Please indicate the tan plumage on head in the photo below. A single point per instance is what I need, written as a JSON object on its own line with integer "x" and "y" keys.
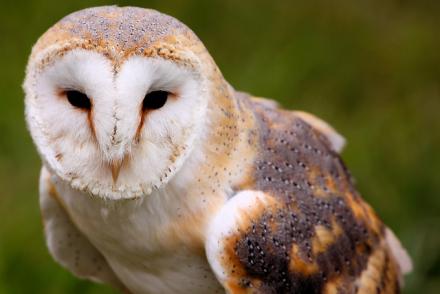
{"x": 159, "y": 177}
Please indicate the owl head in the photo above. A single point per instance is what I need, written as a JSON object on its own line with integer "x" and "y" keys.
{"x": 117, "y": 99}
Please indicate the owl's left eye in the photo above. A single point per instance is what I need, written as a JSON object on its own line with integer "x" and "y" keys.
{"x": 155, "y": 100}
{"x": 78, "y": 99}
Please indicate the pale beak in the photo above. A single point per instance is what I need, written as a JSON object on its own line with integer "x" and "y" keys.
{"x": 116, "y": 167}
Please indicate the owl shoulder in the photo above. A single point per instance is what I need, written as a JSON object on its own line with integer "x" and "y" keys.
{"x": 262, "y": 104}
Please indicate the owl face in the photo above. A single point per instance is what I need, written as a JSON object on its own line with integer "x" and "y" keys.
{"x": 113, "y": 129}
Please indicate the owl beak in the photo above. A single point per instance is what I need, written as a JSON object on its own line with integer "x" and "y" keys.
{"x": 116, "y": 168}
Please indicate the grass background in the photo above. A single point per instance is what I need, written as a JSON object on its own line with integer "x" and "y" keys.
{"x": 370, "y": 68}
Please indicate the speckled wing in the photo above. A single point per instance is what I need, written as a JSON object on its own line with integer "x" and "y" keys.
{"x": 299, "y": 225}
{"x": 337, "y": 142}
{"x": 66, "y": 244}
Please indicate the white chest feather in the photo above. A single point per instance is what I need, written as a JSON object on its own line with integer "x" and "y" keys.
{"x": 146, "y": 242}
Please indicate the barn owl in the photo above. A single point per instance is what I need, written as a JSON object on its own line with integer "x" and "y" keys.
{"x": 159, "y": 177}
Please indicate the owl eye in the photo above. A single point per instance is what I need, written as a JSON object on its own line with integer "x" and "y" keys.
{"x": 155, "y": 100}
{"x": 78, "y": 99}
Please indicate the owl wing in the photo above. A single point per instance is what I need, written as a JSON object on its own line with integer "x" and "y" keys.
{"x": 269, "y": 103}
{"x": 249, "y": 252}
{"x": 336, "y": 140}
{"x": 67, "y": 245}
{"x": 297, "y": 224}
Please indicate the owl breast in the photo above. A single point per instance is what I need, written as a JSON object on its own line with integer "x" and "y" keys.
{"x": 138, "y": 244}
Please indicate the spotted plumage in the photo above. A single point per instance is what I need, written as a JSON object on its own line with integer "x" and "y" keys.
{"x": 159, "y": 177}
{"x": 316, "y": 233}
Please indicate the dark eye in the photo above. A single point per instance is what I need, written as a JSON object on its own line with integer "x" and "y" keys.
{"x": 78, "y": 99}
{"x": 155, "y": 100}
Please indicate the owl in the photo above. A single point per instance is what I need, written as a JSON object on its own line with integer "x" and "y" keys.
{"x": 159, "y": 177}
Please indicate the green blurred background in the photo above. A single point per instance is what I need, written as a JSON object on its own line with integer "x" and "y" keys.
{"x": 370, "y": 68}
